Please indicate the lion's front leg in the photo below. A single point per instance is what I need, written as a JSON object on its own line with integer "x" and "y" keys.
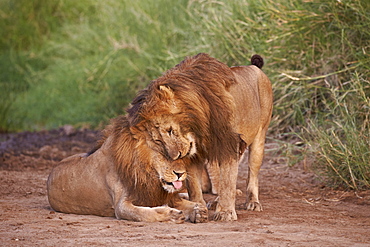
{"x": 127, "y": 211}
{"x": 213, "y": 171}
{"x": 194, "y": 184}
{"x": 225, "y": 209}
{"x": 194, "y": 212}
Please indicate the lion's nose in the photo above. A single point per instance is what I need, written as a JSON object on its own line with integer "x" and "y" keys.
{"x": 179, "y": 156}
{"x": 175, "y": 156}
{"x": 178, "y": 174}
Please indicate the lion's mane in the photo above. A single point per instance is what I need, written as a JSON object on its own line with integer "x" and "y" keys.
{"x": 135, "y": 165}
{"x": 201, "y": 85}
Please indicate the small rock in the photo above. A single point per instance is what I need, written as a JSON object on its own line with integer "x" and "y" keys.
{"x": 69, "y": 130}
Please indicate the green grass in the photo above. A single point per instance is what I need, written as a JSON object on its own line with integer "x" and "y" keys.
{"x": 81, "y": 63}
{"x": 341, "y": 139}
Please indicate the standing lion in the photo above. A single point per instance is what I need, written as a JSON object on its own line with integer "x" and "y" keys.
{"x": 208, "y": 113}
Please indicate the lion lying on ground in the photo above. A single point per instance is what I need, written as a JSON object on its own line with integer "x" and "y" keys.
{"x": 124, "y": 178}
{"x": 204, "y": 110}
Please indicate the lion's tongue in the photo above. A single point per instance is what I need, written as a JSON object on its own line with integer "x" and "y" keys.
{"x": 177, "y": 184}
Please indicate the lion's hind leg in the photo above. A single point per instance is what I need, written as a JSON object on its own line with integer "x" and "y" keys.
{"x": 256, "y": 151}
{"x": 127, "y": 211}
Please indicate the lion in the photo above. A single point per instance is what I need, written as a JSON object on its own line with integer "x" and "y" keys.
{"x": 124, "y": 178}
{"x": 210, "y": 113}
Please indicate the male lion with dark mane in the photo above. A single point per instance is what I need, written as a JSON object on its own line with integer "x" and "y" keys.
{"x": 204, "y": 112}
{"x": 123, "y": 177}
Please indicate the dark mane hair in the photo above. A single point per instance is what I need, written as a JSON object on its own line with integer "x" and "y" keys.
{"x": 201, "y": 89}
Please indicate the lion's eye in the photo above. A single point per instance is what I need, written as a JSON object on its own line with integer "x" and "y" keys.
{"x": 170, "y": 131}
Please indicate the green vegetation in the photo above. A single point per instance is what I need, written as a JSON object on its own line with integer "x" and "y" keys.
{"x": 81, "y": 63}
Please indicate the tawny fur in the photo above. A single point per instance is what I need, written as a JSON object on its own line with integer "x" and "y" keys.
{"x": 122, "y": 178}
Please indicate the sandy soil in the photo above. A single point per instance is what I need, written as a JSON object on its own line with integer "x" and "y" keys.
{"x": 298, "y": 210}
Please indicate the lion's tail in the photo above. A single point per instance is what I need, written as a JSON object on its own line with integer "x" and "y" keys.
{"x": 257, "y": 60}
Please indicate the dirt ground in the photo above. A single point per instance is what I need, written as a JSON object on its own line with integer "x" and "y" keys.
{"x": 298, "y": 210}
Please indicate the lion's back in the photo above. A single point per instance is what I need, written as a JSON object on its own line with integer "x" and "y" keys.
{"x": 253, "y": 99}
{"x": 77, "y": 185}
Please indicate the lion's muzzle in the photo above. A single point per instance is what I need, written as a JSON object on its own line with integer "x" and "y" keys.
{"x": 174, "y": 184}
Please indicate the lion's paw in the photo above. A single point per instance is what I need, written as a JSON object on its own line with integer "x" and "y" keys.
{"x": 254, "y": 206}
{"x": 167, "y": 214}
{"x": 228, "y": 215}
{"x": 211, "y": 204}
{"x": 199, "y": 214}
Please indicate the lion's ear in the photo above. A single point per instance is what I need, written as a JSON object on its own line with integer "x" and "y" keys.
{"x": 167, "y": 92}
{"x": 167, "y": 96}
